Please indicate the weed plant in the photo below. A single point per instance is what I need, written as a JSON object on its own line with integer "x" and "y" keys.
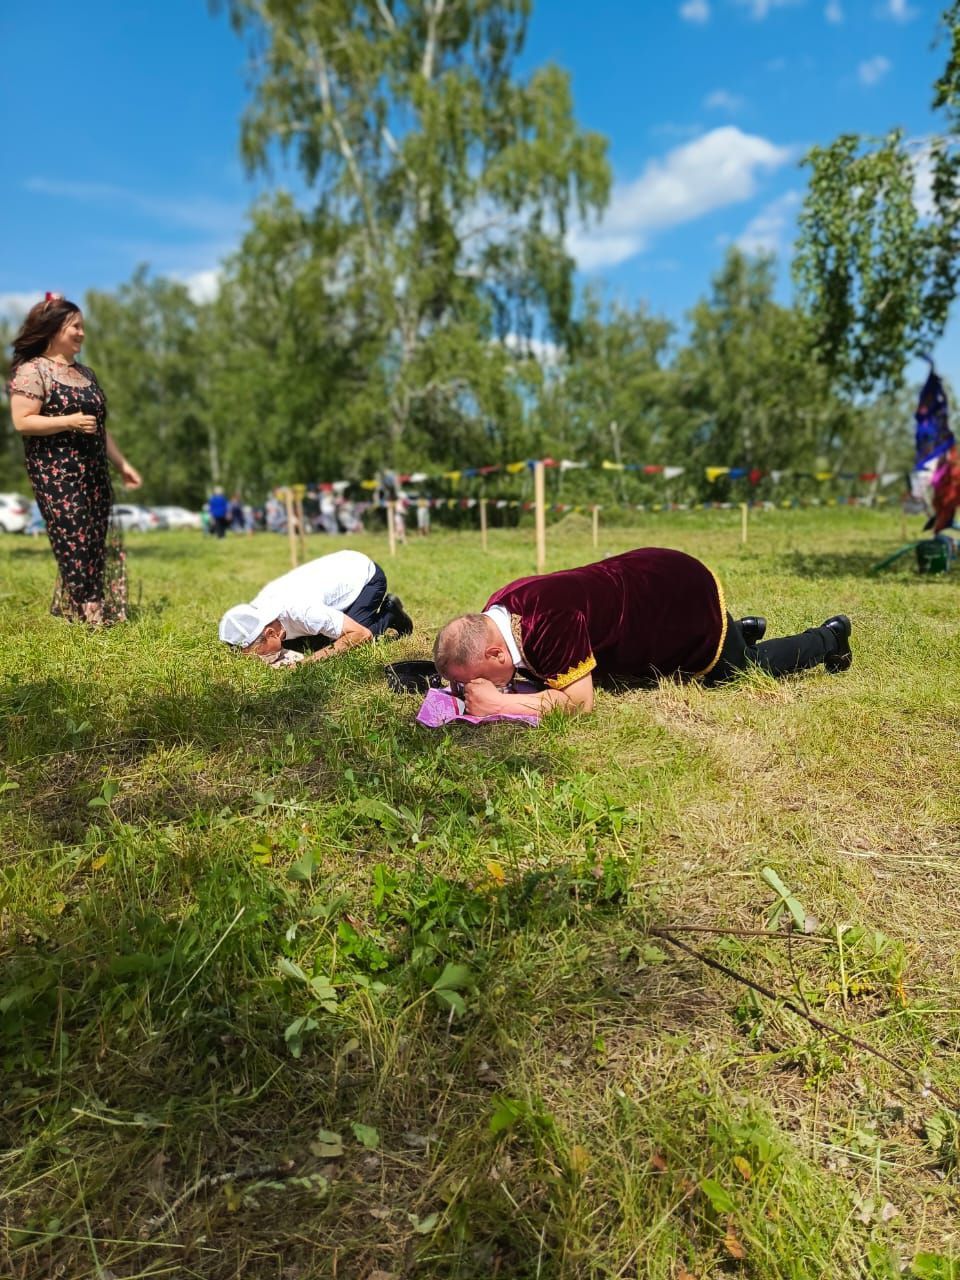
{"x": 291, "y": 987}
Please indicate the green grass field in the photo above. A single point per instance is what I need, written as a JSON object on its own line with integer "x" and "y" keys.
{"x": 290, "y": 987}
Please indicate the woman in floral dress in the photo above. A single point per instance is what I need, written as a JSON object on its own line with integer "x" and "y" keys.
{"x": 61, "y": 412}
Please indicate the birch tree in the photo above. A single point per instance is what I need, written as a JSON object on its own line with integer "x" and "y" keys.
{"x": 879, "y": 248}
{"x": 452, "y": 180}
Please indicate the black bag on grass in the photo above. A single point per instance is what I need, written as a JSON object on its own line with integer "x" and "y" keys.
{"x": 412, "y": 677}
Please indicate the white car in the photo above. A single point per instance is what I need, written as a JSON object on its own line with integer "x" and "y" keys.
{"x": 130, "y": 516}
{"x": 14, "y": 510}
{"x": 179, "y": 517}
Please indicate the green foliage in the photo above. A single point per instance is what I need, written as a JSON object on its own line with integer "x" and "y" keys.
{"x": 442, "y": 184}
{"x": 786, "y": 902}
{"x": 878, "y": 268}
{"x": 606, "y": 400}
{"x": 146, "y": 348}
{"x": 934, "y": 1266}
{"x": 751, "y": 387}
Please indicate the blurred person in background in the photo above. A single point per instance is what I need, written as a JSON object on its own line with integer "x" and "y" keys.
{"x": 219, "y": 510}
{"x": 238, "y": 519}
{"x": 327, "y": 518}
{"x": 275, "y": 514}
{"x": 59, "y": 408}
{"x": 423, "y": 517}
{"x": 400, "y": 506}
{"x": 35, "y": 521}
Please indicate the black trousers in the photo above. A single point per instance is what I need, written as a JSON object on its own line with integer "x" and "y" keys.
{"x": 779, "y": 657}
{"x": 367, "y": 609}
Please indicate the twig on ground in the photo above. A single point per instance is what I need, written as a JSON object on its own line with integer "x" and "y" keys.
{"x": 915, "y": 1079}
{"x": 215, "y": 1180}
{"x": 733, "y": 932}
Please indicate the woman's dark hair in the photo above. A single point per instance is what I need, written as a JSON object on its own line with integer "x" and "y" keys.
{"x": 43, "y": 322}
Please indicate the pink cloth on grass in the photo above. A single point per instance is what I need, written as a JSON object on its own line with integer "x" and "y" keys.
{"x": 440, "y": 707}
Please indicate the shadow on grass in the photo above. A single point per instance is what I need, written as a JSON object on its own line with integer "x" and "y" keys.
{"x": 164, "y": 1079}
{"x": 45, "y": 716}
{"x": 856, "y": 564}
{"x": 231, "y": 745}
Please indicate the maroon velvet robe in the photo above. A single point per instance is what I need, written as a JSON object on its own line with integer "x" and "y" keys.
{"x": 632, "y": 617}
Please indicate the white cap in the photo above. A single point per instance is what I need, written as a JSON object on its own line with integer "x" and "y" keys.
{"x": 242, "y": 624}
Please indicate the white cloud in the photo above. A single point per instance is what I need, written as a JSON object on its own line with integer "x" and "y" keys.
{"x": 759, "y": 9}
{"x": 198, "y": 212}
{"x": 833, "y": 12}
{"x": 873, "y": 70}
{"x": 543, "y": 350}
{"x": 897, "y": 11}
{"x": 203, "y": 286}
{"x": 695, "y": 11}
{"x": 14, "y": 306}
{"x": 718, "y": 169}
{"x": 597, "y": 248}
{"x": 764, "y": 233}
{"x": 722, "y": 100}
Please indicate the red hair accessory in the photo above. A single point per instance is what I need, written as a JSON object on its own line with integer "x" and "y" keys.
{"x": 53, "y": 297}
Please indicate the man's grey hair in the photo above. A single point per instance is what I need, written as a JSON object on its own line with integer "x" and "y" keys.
{"x": 461, "y": 642}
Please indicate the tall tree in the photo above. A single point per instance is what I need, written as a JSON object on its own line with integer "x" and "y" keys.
{"x": 606, "y": 397}
{"x": 752, "y": 390}
{"x": 878, "y": 259}
{"x": 451, "y": 182}
{"x": 12, "y": 474}
{"x": 145, "y": 345}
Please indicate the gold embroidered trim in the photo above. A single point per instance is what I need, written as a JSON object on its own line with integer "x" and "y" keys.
{"x": 574, "y": 674}
{"x": 723, "y": 628}
{"x": 516, "y": 629}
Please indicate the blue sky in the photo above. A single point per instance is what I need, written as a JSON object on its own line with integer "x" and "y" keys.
{"x": 120, "y": 131}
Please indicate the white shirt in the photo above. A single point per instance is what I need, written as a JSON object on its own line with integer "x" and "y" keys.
{"x": 501, "y": 617}
{"x": 309, "y": 600}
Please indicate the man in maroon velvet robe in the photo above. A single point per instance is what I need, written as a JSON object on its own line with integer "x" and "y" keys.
{"x": 632, "y": 618}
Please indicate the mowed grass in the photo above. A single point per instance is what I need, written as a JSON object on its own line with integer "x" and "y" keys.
{"x": 290, "y": 987}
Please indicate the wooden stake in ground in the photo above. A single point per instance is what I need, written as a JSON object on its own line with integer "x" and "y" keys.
{"x": 743, "y": 521}
{"x": 540, "y": 515}
{"x": 298, "y": 491}
{"x": 391, "y": 531}
{"x": 288, "y": 503}
{"x": 596, "y": 527}
{"x": 483, "y": 524}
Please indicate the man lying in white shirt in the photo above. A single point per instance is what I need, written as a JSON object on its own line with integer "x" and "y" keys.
{"x": 336, "y": 602}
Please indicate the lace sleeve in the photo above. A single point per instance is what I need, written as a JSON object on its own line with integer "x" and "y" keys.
{"x": 29, "y": 381}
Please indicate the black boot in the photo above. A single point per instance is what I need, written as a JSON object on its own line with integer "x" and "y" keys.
{"x": 397, "y": 618}
{"x": 753, "y": 628}
{"x": 841, "y": 659}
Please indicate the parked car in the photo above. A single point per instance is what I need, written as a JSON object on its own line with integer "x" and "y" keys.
{"x": 179, "y": 517}
{"x": 130, "y": 516}
{"x": 14, "y": 509}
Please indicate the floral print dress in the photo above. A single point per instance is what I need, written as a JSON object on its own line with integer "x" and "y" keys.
{"x": 71, "y": 481}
